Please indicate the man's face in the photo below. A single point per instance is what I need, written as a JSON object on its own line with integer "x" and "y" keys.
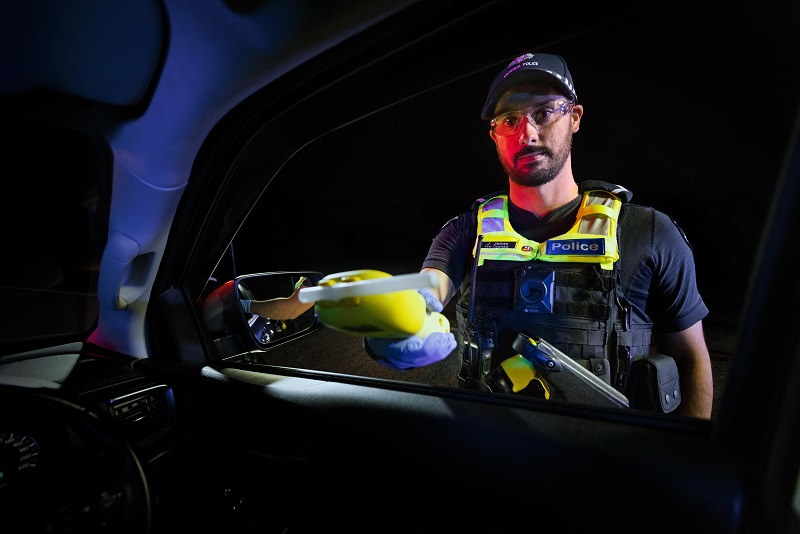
{"x": 535, "y": 155}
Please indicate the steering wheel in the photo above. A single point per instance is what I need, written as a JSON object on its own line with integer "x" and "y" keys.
{"x": 64, "y": 468}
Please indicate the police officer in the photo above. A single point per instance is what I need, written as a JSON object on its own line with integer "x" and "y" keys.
{"x": 574, "y": 263}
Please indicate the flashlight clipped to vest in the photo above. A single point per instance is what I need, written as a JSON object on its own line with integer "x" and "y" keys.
{"x": 371, "y": 303}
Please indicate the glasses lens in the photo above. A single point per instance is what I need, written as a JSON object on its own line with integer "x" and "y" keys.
{"x": 511, "y": 123}
{"x": 508, "y": 123}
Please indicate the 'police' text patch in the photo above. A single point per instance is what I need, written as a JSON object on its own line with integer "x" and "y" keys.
{"x": 578, "y": 247}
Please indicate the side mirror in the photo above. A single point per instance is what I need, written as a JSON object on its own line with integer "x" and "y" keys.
{"x": 235, "y": 331}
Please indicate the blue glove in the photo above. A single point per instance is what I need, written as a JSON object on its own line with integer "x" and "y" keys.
{"x": 410, "y": 352}
{"x": 432, "y": 304}
{"x": 414, "y": 351}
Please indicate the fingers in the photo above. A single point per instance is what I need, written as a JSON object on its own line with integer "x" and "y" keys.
{"x": 438, "y": 345}
{"x": 432, "y": 304}
{"x": 411, "y": 352}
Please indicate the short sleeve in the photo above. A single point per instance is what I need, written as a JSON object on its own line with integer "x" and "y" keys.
{"x": 674, "y": 303}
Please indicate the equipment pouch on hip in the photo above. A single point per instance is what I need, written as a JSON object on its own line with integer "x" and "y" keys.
{"x": 654, "y": 385}
{"x": 476, "y": 361}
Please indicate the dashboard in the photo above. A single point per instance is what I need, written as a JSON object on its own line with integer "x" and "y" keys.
{"x": 74, "y": 456}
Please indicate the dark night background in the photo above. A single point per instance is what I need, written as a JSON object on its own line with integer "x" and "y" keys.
{"x": 697, "y": 132}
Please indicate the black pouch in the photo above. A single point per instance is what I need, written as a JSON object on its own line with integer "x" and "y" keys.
{"x": 653, "y": 384}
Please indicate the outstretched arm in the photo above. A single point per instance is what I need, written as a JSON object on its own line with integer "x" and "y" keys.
{"x": 688, "y": 347}
{"x": 445, "y": 288}
{"x": 282, "y": 308}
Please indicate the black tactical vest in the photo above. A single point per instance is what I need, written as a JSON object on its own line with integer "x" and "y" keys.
{"x": 577, "y": 306}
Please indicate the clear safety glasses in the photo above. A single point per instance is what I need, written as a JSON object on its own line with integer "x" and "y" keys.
{"x": 541, "y": 116}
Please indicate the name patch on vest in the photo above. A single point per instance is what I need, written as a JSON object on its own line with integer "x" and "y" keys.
{"x": 498, "y": 244}
{"x": 585, "y": 247}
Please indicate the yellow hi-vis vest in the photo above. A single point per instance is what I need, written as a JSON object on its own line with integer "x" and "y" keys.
{"x": 592, "y": 239}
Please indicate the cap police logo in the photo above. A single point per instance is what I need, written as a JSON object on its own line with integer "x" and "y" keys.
{"x": 517, "y": 63}
{"x": 520, "y": 59}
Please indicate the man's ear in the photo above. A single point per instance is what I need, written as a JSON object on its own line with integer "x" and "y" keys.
{"x": 575, "y": 116}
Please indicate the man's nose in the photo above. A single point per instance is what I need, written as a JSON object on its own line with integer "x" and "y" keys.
{"x": 529, "y": 132}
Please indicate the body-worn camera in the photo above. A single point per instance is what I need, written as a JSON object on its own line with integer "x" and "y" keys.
{"x": 533, "y": 290}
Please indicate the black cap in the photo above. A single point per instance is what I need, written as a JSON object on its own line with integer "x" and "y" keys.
{"x": 530, "y": 67}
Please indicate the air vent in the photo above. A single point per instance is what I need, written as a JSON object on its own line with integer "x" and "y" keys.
{"x": 145, "y": 415}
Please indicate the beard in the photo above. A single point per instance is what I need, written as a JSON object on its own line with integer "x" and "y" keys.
{"x": 542, "y": 174}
